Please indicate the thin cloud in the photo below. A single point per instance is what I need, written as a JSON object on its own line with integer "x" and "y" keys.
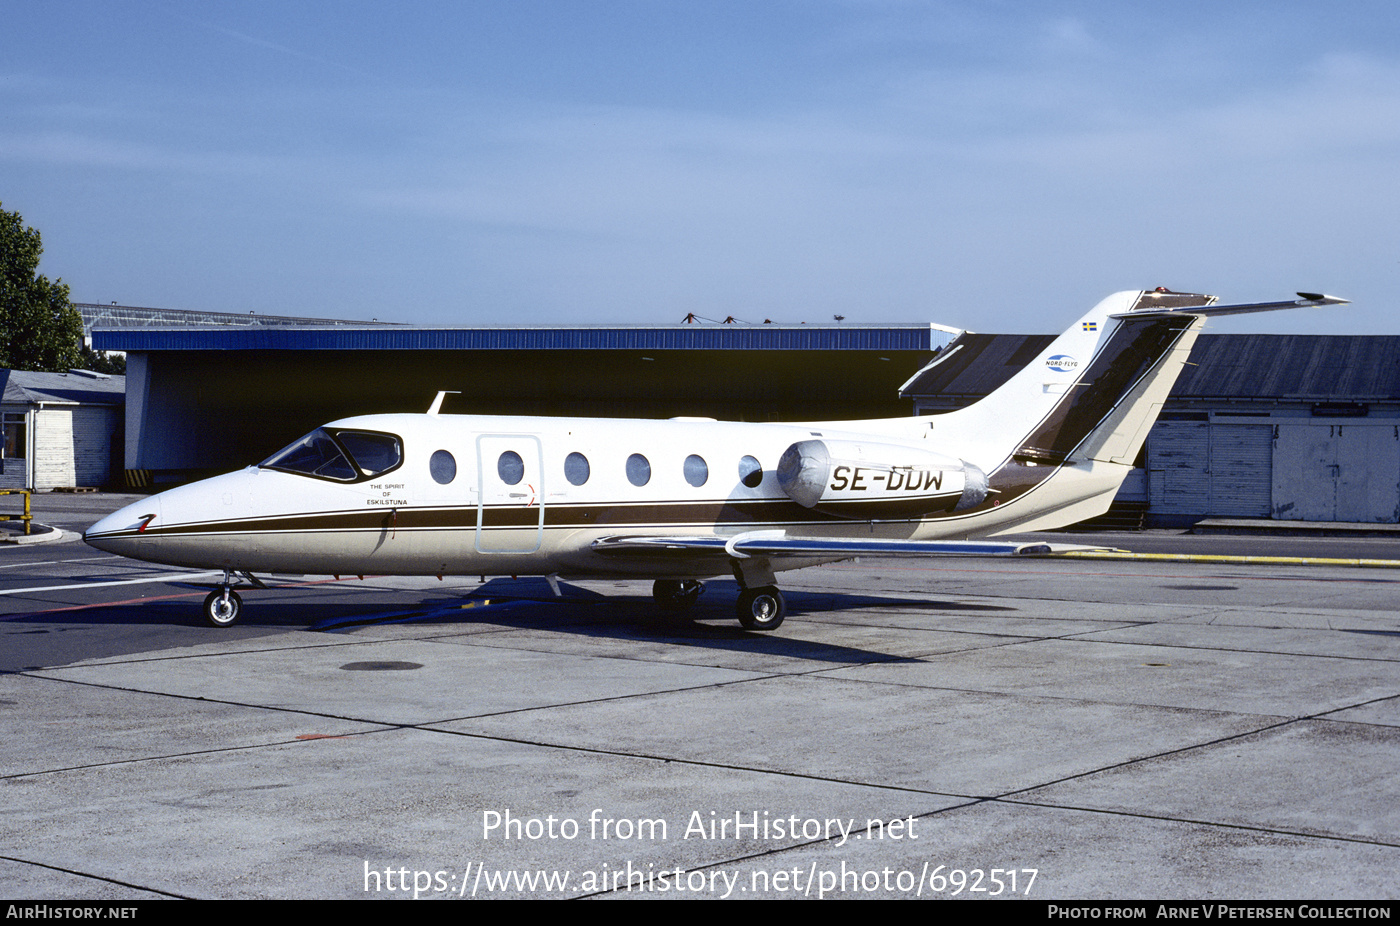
{"x": 266, "y": 44}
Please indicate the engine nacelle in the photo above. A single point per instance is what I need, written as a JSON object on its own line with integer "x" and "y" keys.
{"x": 863, "y": 480}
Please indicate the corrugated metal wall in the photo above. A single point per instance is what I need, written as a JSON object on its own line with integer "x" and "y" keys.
{"x": 1297, "y": 469}
{"x": 1241, "y": 466}
{"x": 72, "y": 446}
{"x": 1178, "y": 453}
{"x": 1199, "y": 468}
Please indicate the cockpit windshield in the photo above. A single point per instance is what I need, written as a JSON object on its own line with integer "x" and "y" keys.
{"x": 344, "y": 456}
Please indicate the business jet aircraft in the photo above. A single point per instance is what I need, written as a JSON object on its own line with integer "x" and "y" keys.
{"x": 686, "y": 499}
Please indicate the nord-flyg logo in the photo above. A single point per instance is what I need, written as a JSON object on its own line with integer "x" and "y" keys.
{"x": 1062, "y": 363}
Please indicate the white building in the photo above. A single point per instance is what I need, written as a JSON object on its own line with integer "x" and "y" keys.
{"x": 61, "y": 429}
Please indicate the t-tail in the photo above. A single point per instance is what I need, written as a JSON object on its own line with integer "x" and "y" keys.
{"x": 1068, "y": 426}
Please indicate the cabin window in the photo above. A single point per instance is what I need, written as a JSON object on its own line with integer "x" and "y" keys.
{"x": 750, "y": 472}
{"x": 638, "y": 470}
{"x": 344, "y": 456}
{"x": 511, "y": 468}
{"x": 576, "y": 469}
{"x": 696, "y": 472}
{"x": 443, "y": 467}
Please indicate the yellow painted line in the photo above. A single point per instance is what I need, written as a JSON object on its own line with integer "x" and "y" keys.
{"x": 1228, "y": 560}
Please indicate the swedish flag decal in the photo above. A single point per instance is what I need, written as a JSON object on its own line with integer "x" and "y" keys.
{"x": 1091, "y": 326}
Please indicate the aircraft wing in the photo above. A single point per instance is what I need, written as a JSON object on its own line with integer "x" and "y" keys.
{"x": 777, "y": 544}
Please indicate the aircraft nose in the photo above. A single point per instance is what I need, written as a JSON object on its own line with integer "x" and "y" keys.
{"x": 120, "y": 529}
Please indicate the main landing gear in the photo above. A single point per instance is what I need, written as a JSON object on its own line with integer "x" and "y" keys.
{"x": 676, "y": 595}
{"x": 224, "y": 607}
{"x": 760, "y": 607}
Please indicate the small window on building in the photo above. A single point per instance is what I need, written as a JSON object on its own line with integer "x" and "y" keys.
{"x": 576, "y": 469}
{"x": 638, "y": 470}
{"x": 696, "y": 472}
{"x": 14, "y": 436}
{"x": 750, "y": 472}
{"x": 443, "y": 466}
{"x": 511, "y": 468}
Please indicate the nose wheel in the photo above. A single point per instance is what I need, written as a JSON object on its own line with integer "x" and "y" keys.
{"x": 223, "y": 607}
{"x": 761, "y": 608}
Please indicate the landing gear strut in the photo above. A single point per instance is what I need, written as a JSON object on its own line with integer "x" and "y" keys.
{"x": 761, "y": 606}
{"x": 674, "y": 595}
{"x": 223, "y": 607}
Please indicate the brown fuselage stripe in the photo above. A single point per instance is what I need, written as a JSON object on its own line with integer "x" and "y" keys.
{"x": 555, "y": 516}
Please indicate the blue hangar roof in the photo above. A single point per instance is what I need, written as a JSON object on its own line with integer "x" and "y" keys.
{"x": 898, "y": 337}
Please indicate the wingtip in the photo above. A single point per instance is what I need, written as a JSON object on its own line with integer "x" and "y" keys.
{"x": 1321, "y": 299}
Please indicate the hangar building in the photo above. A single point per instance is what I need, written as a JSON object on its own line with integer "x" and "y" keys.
{"x": 204, "y": 400}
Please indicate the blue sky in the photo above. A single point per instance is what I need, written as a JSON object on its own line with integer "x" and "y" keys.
{"x": 997, "y": 166}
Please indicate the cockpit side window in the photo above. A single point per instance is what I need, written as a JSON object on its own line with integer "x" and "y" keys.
{"x": 372, "y": 452}
{"x": 342, "y": 456}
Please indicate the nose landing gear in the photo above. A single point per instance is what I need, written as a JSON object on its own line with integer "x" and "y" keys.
{"x": 224, "y": 607}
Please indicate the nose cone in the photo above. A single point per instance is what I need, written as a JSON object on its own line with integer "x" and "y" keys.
{"x": 175, "y": 526}
{"x": 122, "y": 530}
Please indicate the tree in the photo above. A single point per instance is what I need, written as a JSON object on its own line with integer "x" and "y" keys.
{"x": 41, "y": 329}
{"x": 99, "y": 361}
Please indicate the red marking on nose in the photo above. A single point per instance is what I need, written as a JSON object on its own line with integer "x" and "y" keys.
{"x": 146, "y": 519}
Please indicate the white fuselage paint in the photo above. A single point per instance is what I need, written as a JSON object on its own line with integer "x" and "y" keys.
{"x": 406, "y": 523}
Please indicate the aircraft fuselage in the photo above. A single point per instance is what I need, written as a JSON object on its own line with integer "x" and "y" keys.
{"x": 520, "y": 495}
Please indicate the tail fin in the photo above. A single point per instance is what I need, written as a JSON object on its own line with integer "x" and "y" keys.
{"x": 1084, "y": 406}
{"x": 1093, "y": 393}
{"x": 1043, "y": 413}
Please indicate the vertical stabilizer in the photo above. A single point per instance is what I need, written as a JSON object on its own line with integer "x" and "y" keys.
{"x": 1044, "y": 412}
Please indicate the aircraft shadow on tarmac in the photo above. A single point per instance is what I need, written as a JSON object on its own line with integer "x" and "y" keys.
{"x": 530, "y": 604}
{"x": 523, "y": 604}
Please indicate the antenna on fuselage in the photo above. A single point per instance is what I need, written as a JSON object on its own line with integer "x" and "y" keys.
{"x": 437, "y": 403}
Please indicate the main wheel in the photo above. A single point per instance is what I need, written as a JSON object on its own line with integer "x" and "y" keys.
{"x": 673, "y": 595}
{"x": 761, "y": 608}
{"x": 220, "y": 611}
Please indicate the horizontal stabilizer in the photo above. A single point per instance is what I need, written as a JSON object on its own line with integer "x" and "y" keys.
{"x": 1304, "y": 301}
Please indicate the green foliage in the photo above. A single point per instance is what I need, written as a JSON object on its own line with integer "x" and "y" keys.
{"x": 39, "y": 328}
{"x": 99, "y": 361}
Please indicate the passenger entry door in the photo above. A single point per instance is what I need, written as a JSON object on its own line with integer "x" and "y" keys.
{"x": 510, "y": 493}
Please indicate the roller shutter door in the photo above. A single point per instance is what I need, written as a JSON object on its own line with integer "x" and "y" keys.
{"x": 1241, "y": 466}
